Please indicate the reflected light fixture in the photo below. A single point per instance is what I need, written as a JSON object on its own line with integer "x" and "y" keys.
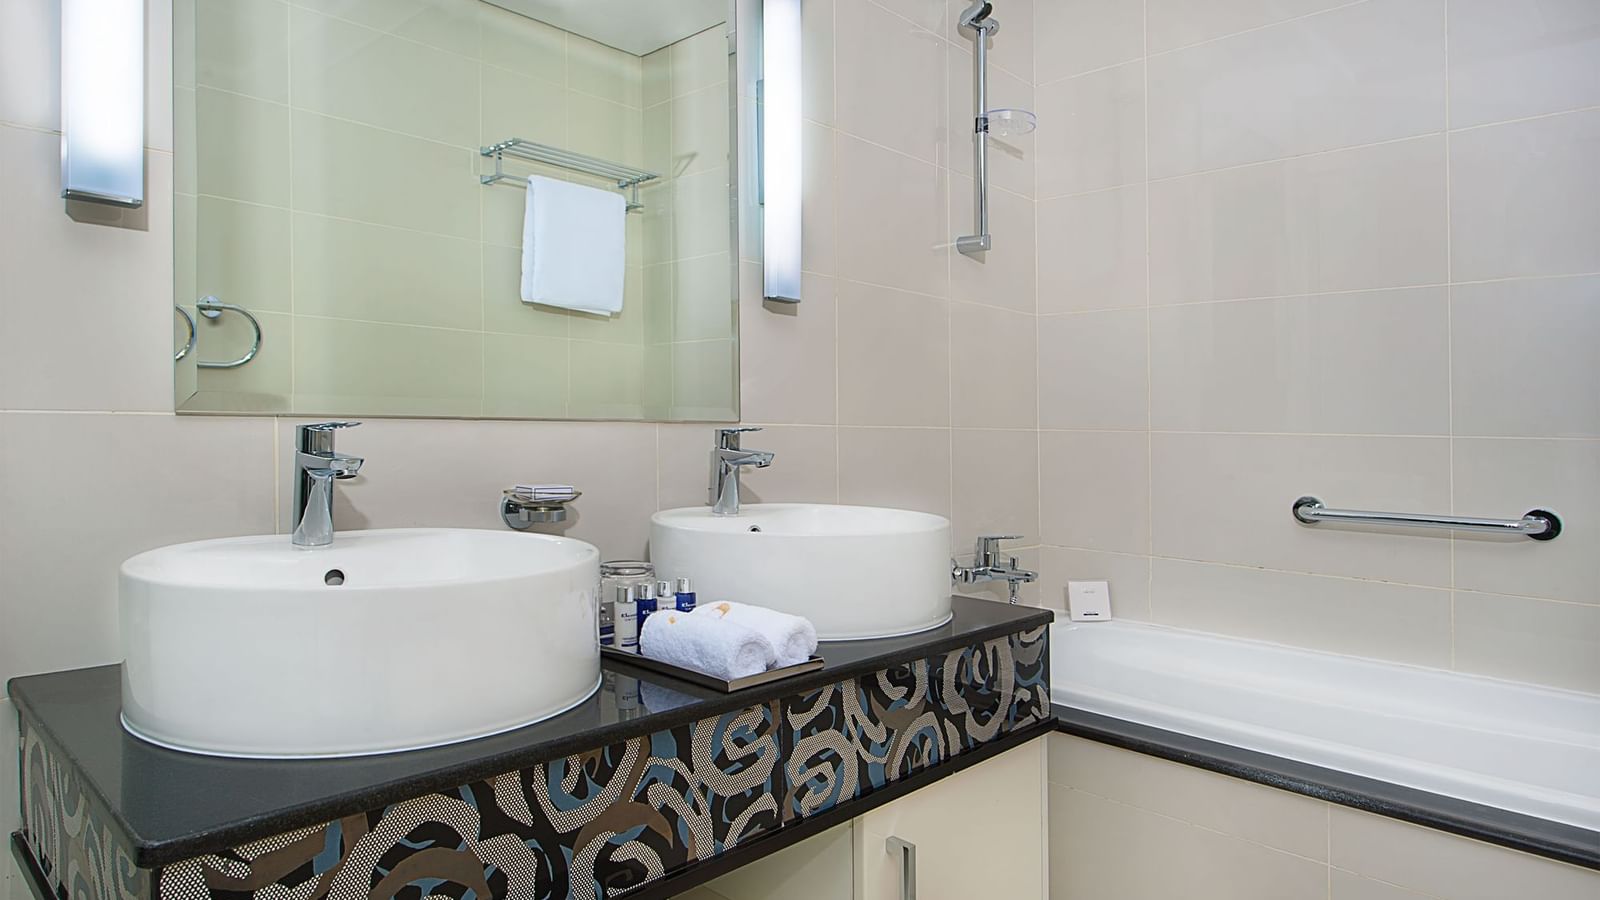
{"x": 780, "y": 149}
{"x": 102, "y": 101}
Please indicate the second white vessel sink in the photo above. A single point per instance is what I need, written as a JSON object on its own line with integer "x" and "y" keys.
{"x": 854, "y": 571}
{"x": 382, "y": 641}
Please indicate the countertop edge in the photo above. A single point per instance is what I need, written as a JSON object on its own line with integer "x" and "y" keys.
{"x": 151, "y": 854}
{"x": 1529, "y": 834}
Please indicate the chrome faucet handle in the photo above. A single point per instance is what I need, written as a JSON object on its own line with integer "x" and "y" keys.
{"x": 317, "y": 437}
{"x": 327, "y": 426}
{"x": 987, "y": 549}
{"x": 728, "y": 438}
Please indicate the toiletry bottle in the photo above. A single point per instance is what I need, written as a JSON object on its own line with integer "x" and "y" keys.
{"x": 644, "y": 596}
{"x": 685, "y": 596}
{"x": 626, "y": 621}
{"x": 608, "y": 630}
{"x": 664, "y": 598}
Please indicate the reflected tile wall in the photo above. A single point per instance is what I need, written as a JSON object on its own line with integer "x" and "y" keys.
{"x": 1323, "y": 270}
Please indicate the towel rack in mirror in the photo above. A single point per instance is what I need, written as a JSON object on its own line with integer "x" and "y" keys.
{"x": 211, "y": 308}
{"x": 627, "y": 177}
{"x": 1539, "y": 524}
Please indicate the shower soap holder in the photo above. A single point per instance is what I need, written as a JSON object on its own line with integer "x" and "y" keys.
{"x": 1008, "y": 122}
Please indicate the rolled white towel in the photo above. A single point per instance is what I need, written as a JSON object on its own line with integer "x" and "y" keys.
{"x": 706, "y": 644}
{"x": 794, "y": 637}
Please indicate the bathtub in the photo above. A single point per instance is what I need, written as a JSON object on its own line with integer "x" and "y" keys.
{"x": 1516, "y": 747}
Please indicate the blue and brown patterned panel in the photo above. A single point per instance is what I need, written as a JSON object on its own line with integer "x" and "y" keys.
{"x": 596, "y": 824}
{"x": 81, "y": 854}
{"x": 856, "y": 736}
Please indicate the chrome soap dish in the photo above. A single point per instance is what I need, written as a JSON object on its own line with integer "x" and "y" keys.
{"x": 525, "y": 506}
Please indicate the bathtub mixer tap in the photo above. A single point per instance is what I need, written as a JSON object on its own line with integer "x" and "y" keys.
{"x": 989, "y": 564}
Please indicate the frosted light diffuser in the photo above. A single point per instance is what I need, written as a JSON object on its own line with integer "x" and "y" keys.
{"x": 102, "y": 101}
{"x": 780, "y": 149}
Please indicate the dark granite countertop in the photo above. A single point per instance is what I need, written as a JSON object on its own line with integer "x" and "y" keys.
{"x": 1554, "y": 840}
{"x": 176, "y": 805}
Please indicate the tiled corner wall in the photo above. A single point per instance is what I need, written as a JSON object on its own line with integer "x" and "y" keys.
{"x": 1331, "y": 248}
{"x": 1114, "y": 813}
{"x": 905, "y": 378}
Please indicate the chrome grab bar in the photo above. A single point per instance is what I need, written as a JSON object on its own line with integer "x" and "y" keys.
{"x": 211, "y": 308}
{"x": 1538, "y": 524}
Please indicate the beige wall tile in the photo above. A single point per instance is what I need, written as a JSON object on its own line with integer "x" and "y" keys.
{"x": 819, "y": 230}
{"x": 1179, "y": 23}
{"x": 1364, "y": 363}
{"x": 503, "y": 309}
{"x": 705, "y": 380}
{"x": 515, "y": 105}
{"x": 1071, "y": 37}
{"x": 354, "y": 270}
{"x": 593, "y": 68}
{"x": 995, "y": 486}
{"x": 337, "y": 174}
{"x": 1014, "y": 53}
{"x": 1332, "y": 614}
{"x": 703, "y": 298}
{"x": 1509, "y": 477}
{"x": 894, "y": 357}
{"x": 1372, "y": 217}
{"x": 816, "y": 61}
{"x": 1496, "y": 328}
{"x": 892, "y": 216}
{"x": 607, "y": 380}
{"x": 1227, "y": 498}
{"x": 699, "y": 60}
{"x": 1126, "y": 574}
{"x": 1542, "y": 641}
{"x": 30, "y": 43}
{"x": 1093, "y": 371}
{"x": 1091, "y": 131}
{"x": 1092, "y": 251}
{"x": 905, "y": 468}
{"x": 243, "y": 46}
{"x": 1003, "y": 276}
{"x": 109, "y": 271}
{"x": 993, "y": 378}
{"x": 788, "y": 369}
{"x": 265, "y": 383}
{"x": 1346, "y": 886}
{"x": 170, "y": 479}
{"x": 805, "y": 469}
{"x": 1365, "y": 73}
{"x": 1278, "y": 819}
{"x": 896, "y": 78}
{"x": 700, "y": 214}
{"x": 683, "y": 464}
{"x": 1524, "y": 197}
{"x": 380, "y": 369}
{"x": 699, "y": 130}
{"x": 1448, "y": 866}
{"x": 605, "y": 129}
{"x": 1095, "y": 490}
{"x": 447, "y": 24}
{"x": 1522, "y": 58}
{"x": 1104, "y": 849}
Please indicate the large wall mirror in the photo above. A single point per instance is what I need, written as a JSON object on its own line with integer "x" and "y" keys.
{"x": 345, "y": 247}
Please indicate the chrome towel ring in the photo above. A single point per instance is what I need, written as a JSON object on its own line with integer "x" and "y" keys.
{"x": 211, "y": 308}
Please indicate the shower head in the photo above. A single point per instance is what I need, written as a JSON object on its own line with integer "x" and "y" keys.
{"x": 977, "y": 17}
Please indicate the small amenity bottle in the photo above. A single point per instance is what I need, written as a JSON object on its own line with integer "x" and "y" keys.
{"x": 685, "y": 596}
{"x": 608, "y": 630}
{"x": 625, "y": 621}
{"x": 644, "y": 598}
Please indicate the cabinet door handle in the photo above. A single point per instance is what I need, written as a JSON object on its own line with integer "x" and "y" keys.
{"x": 908, "y": 867}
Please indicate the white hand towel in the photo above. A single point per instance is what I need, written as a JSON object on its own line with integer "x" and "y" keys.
{"x": 573, "y": 246}
{"x": 794, "y": 637}
{"x": 706, "y": 644}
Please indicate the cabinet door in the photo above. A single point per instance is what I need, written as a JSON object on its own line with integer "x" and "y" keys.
{"x": 977, "y": 835}
{"x": 817, "y": 868}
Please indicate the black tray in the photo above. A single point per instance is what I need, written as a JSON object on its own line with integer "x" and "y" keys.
{"x": 711, "y": 681}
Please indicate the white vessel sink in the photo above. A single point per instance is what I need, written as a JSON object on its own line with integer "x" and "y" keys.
{"x": 854, "y": 571}
{"x": 383, "y": 641}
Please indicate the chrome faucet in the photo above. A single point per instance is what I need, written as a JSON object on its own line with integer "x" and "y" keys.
{"x": 316, "y": 467}
{"x": 726, "y": 461}
{"x": 989, "y": 564}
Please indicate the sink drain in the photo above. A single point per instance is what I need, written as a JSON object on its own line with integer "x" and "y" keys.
{"x": 333, "y": 577}
{"x": 755, "y": 527}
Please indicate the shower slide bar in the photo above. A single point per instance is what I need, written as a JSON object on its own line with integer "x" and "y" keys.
{"x": 1538, "y": 524}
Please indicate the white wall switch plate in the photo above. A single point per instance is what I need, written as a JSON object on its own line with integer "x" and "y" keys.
{"x": 1088, "y": 601}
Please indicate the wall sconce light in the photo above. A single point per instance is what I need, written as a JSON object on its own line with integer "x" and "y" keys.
{"x": 102, "y": 101}
{"x": 779, "y": 103}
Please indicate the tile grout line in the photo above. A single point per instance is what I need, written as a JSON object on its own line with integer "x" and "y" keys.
{"x": 1149, "y": 366}
{"x": 1449, "y": 332}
